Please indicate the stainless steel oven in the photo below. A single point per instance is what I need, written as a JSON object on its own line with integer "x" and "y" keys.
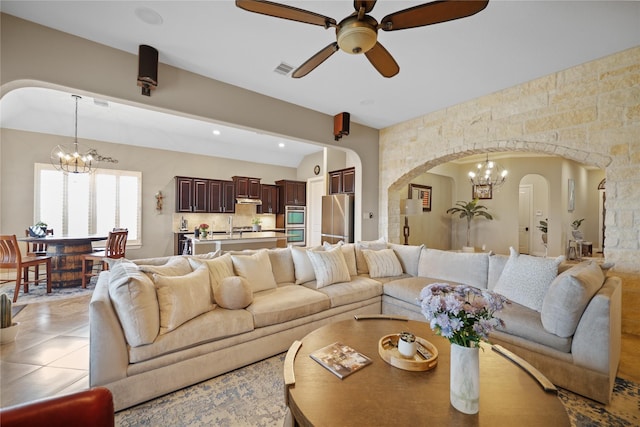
{"x": 295, "y": 223}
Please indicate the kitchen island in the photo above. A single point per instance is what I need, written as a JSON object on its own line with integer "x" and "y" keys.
{"x": 238, "y": 241}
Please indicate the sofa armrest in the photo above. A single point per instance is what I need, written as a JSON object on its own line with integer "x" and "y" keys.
{"x": 93, "y": 407}
{"x": 597, "y": 340}
{"x": 109, "y": 358}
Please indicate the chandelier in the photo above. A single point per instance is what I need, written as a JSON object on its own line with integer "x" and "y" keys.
{"x": 488, "y": 173}
{"x": 76, "y": 158}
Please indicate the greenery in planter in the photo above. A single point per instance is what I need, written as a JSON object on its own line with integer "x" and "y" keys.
{"x": 469, "y": 210}
{"x": 576, "y": 233}
{"x": 543, "y": 225}
{"x": 577, "y": 223}
{"x": 256, "y": 221}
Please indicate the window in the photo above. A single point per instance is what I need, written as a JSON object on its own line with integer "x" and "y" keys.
{"x": 80, "y": 204}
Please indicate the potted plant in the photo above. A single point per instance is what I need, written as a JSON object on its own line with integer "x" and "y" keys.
{"x": 8, "y": 329}
{"x": 543, "y": 227}
{"x": 576, "y": 233}
{"x": 469, "y": 210}
{"x": 255, "y": 222}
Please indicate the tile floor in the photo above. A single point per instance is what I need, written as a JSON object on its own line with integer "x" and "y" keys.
{"x": 51, "y": 353}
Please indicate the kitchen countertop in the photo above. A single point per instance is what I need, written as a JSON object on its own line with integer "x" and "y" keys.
{"x": 237, "y": 236}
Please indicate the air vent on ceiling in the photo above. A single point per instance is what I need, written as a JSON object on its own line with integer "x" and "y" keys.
{"x": 100, "y": 102}
{"x": 283, "y": 69}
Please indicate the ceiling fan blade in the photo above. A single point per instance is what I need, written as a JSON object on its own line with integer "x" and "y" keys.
{"x": 382, "y": 60}
{"x": 286, "y": 12}
{"x": 315, "y": 60}
{"x": 368, "y": 5}
{"x": 431, "y": 13}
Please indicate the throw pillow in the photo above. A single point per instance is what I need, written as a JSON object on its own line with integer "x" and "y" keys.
{"x": 349, "y": 252}
{"x": 282, "y": 265}
{"x": 302, "y": 265}
{"x": 409, "y": 256}
{"x": 374, "y": 245}
{"x": 181, "y": 298}
{"x": 233, "y": 293}
{"x": 256, "y": 269}
{"x": 219, "y": 268}
{"x": 134, "y": 299}
{"x": 526, "y": 279}
{"x": 568, "y": 296}
{"x": 329, "y": 267}
{"x": 176, "y": 266}
{"x": 382, "y": 263}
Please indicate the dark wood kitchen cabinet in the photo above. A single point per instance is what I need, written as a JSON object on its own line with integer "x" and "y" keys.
{"x": 342, "y": 181}
{"x": 292, "y": 193}
{"x": 191, "y": 194}
{"x": 269, "y": 200}
{"x": 247, "y": 188}
{"x": 222, "y": 197}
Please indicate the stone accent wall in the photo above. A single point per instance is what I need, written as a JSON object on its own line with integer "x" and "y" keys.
{"x": 589, "y": 113}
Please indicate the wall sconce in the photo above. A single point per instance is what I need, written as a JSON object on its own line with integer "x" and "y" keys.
{"x": 147, "y": 69}
{"x": 159, "y": 199}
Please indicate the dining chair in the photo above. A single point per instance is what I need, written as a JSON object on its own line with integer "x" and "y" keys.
{"x": 37, "y": 248}
{"x": 11, "y": 257}
{"x": 115, "y": 248}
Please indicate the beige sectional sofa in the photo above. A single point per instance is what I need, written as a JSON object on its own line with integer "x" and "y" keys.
{"x": 161, "y": 324}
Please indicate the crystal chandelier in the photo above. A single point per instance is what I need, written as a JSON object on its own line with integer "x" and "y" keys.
{"x": 488, "y": 173}
{"x": 76, "y": 158}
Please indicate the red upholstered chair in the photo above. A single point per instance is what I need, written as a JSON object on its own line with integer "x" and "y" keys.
{"x": 93, "y": 407}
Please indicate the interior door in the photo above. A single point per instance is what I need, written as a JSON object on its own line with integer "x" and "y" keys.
{"x": 524, "y": 219}
{"x": 316, "y": 190}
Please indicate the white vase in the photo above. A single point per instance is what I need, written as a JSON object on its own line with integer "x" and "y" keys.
{"x": 465, "y": 379}
{"x": 9, "y": 333}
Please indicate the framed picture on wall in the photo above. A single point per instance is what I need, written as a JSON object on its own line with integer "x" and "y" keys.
{"x": 423, "y": 192}
{"x": 482, "y": 192}
{"x": 571, "y": 203}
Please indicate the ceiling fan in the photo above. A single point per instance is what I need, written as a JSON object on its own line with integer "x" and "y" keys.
{"x": 358, "y": 32}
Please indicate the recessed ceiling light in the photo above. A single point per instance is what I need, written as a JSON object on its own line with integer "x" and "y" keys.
{"x": 216, "y": 132}
{"x": 148, "y": 15}
{"x": 281, "y": 145}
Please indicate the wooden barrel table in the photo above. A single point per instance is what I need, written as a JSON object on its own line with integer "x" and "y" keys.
{"x": 66, "y": 257}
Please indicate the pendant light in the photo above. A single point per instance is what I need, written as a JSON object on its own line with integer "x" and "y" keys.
{"x": 75, "y": 158}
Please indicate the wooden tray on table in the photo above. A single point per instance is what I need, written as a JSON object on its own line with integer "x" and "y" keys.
{"x": 388, "y": 350}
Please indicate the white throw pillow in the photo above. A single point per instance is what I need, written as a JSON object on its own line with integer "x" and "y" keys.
{"x": 181, "y": 298}
{"x": 329, "y": 267}
{"x": 374, "y": 245}
{"x": 349, "y": 252}
{"x": 526, "y": 279}
{"x": 219, "y": 268}
{"x": 568, "y": 296}
{"x": 134, "y": 299}
{"x": 409, "y": 256}
{"x": 233, "y": 293}
{"x": 175, "y": 266}
{"x": 302, "y": 265}
{"x": 256, "y": 269}
{"x": 382, "y": 263}
{"x": 282, "y": 265}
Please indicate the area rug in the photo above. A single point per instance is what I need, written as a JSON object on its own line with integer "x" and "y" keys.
{"x": 38, "y": 294}
{"x": 254, "y": 396}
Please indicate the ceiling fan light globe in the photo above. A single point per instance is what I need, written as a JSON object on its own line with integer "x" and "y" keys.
{"x": 356, "y": 37}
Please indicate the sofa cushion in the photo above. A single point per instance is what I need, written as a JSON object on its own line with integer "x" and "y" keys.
{"x": 525, "y": 279}
{"x": 459, "y": 267}
{"x": 302, "y": 264}
{"x": 233, "y": 293}
{"x": 409, "y": 257}
{"x": 360, "y": 288}
{"x": 212, "y": 325}
{"x": 568, "y": 296}
{"x": 135, "y": 301}
{"x": 349, "y": 252}
{"x": 496, "y": 266}
{"x": 382, "y": 263}
{"x": 175, "y": 266}
{"x": 374, "y": 245}
{"x": 282, "y": 265}
{"x": 408, "y": 289}
{"x": 286, "y": 303}
{"x": 256, "y": 269}
{"x": 219, "y": 268}
{"x": 525, "y": 322}
{"x": 329, "y": 267}
{"x": 181, "y": 298}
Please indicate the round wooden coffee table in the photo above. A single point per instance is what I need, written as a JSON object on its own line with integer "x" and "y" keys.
{"x": 381, "y": 394}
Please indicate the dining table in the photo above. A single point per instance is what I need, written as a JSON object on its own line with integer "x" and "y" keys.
{"x": 66, "y": 256}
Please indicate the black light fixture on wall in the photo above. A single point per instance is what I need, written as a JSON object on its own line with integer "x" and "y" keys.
{"x": 147, "y": 68}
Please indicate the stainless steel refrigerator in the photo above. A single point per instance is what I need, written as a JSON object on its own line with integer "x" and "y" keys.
{"x": 337, "y": 218}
